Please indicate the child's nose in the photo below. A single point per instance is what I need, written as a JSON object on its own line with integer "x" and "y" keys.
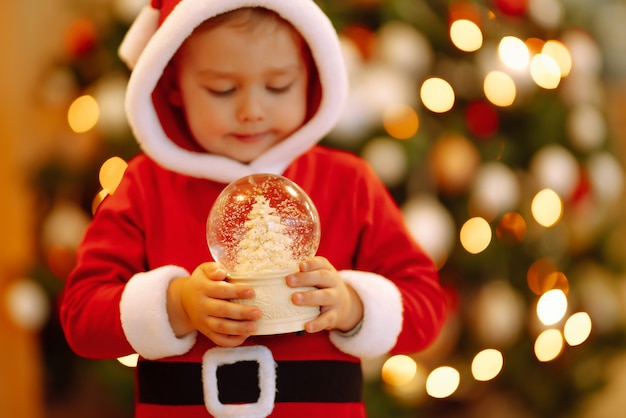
{"x": 251, "y": 108}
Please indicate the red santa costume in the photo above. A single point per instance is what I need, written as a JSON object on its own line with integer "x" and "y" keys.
{"x": 152, "y": 230}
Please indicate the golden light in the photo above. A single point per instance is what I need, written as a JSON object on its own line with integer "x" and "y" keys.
{"x": 400, "y": 121}
{"x": 545, "y": 71}
{"x": 547, "y": 208}
{"x": 442, "y": 382}
{"x": 129, "y": 360}
{"x": 499, "y": 89}
{"x": 437, "y": 95}
{"x": 513, "y": 52}
{"x": 453, "y": 162}
{"x": 511, "y": 228}
{"x": 97, "y": 200}
{"x": 577, "y": 328}
{"x": 83, "y": 114}
{"x": 552, "y": 306}
{"x": 487, "y": 365}
{"x": 548, "y": 345}
{"x": 559, "y": 52}
{"x": 539, "y": 274}
{"x": 475, "y": 235}
{"x": 556, "y": 280}
{"x": 111, "y": 173}
{"x": 413, "y": 391}
{"x": 466, "y": 35}
{"x": 399, "y": 370}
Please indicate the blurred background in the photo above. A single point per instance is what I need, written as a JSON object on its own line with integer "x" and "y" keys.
{"x": 499, "y": 127}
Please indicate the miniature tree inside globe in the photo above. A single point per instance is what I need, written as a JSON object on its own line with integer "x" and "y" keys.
{"x": 259, "y": 229}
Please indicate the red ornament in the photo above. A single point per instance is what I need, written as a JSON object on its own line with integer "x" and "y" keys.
{"x": 583, "y": 188}
{"x": 80, "y": 38}
{"x": 362, "y": 37}
{"x": 515, "y": 8}
{"x": 481, "y": 119}
{"x": 61, "y": 260}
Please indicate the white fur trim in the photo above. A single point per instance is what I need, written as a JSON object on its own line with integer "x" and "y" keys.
{"x": 219, "y": 356}
{"x": 316, "y": 29}
{"x": 138, "y": 36}
{"x": 382, "y": 316}
{"x": 143, "y": 311}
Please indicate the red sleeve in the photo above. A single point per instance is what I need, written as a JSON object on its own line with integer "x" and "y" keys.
{"x": 388, "y": 249}
{"x": 90, "y": 302}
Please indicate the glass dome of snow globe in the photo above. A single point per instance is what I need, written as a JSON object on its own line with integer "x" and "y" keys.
{"x": 259, "y": 229}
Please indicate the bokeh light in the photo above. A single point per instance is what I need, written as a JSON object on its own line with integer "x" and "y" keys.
{"x": 111, "y": 173}
{"x": 511, "y": 229}
{"x": 554, "y": 167}
{"x": 499, "y": 89}
{"x": 498, "y": 314}
{"x": 431, "y": 225}
{"x": 466, "y": 35}
{"x": 586, "y": 127}
{"x": 400, "y": 121}
{"x": 606, "y": 175}
{"x": 577, "y": 328}
{"x": 513, "y": 52}
{"x": 398, "y": 370}
{"x": 443, "y": 382}
{"x": 548, "y": 345}
{"x": 539, "y": 274}
{"x": 402, "y": 46}
{"x": 26, "y": 304}
{"x": 547, "y": 208}
{"x": 487, "y": 364}
{"x": 110, "y": 93}
{"x": 547, "y": 13}
{"x": 560, "y": 54}
{"x": 387, "y": 158}
{"x": 437, "y": 95}
{"x": 83, "y": 114}
{"x": 552, "y": 306}
{"x": 453, "y": 162}
{"x": 496, "y": 190}
{"x": 475, "y": 235}
{"x": 129, "y": 360}
{"x": 545, "y": 71}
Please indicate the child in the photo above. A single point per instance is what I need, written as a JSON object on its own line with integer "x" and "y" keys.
{"x": 220, "y": 90}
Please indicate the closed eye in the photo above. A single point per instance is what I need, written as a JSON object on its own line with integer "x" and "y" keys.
{"x": 221, "y": 93}
{"x": 279, "y": 90}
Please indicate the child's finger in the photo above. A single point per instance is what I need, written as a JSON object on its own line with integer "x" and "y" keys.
{"x": 230, "y": 310}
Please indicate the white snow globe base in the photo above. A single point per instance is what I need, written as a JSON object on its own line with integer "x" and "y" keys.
{"x": 273, "y": 297}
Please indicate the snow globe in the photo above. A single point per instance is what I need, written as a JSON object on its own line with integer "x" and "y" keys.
{"x": 259, "y": 229}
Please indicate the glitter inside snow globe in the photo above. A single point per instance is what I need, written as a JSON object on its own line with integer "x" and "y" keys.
{"x": 259, "y": 229}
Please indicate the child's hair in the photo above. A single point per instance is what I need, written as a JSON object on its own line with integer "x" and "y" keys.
{"x": 250, "y": 18}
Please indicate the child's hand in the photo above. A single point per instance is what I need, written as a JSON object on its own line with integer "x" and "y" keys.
{"x": 201, "y": 302}
{"x": 341, "y": 307}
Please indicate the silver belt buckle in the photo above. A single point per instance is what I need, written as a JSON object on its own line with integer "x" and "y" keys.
{"x": 220, "y": 356}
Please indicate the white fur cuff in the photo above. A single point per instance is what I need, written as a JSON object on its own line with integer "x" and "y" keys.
{"x": 143, "y": 311}
{"x": 382, "y": 316}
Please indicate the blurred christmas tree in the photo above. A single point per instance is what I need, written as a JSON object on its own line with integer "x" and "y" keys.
{"x": 488, "y": 122}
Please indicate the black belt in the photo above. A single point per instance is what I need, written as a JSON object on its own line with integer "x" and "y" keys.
{"x": 165, "y": 383}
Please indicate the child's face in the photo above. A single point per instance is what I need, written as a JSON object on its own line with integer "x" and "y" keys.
{"x": 242, "y": 91}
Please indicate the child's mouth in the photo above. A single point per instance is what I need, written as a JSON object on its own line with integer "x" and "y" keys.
{"x": 256, "y": 137}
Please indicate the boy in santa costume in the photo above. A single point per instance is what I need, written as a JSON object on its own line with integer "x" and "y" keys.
{"x": 221, "y": 89}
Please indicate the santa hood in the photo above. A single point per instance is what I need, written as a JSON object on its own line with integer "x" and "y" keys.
{"x": 157, "y": 34}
